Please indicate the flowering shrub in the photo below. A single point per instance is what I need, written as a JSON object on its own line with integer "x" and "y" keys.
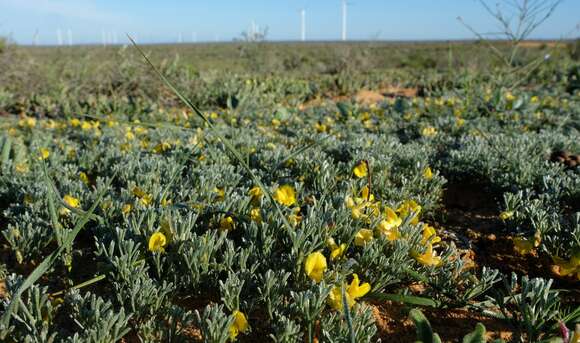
{"x": 292, "y": 225}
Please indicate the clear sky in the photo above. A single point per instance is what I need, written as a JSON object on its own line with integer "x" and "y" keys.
{"x": 209, "y": 20}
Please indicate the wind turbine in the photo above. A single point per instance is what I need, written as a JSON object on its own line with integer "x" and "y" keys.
{"x": 194, "y": 37}
{"x": 35, "y": 38}
{"x": 59, "y": 36}
{"x": 344, "y": 18}
{"x": 69, "y": 36}
{"x": 303, "y": 24}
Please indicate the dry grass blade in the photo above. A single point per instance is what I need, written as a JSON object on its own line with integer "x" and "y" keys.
{"x": 47, "y": 263}
{"x": 214, "y": 132}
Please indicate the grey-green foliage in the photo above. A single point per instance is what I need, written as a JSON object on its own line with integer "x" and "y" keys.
{"x": 271, "y": 288}
{"x": 33, "y": 318}
{"x": 425, "y": 333}
{"x": 214, "y": 324}
{"x": 336, "y": 330}
{"x": 309, "y": 305}
{"x": 95, "y": 319}
{"x": 530, "y": 304}
{"x": 285, "y": 330}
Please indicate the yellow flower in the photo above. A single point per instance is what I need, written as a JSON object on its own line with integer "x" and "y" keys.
{"x": 227, "y": 223}
{"x": 157, "y": 242}
{"x": 84, "y": 178}
{"x": 576, "y": 336}
{"x": 429, "y": 131}
{"x": 315, "y": 266}
{"x": 320, "y": 127}
{"x": 361, "y": 169}
{"x": 126, "y": 209}
{"x": 85, "y": 125}
{"x": 161, "y": 147}
{"x": 140, "y": 130}
{"x": 535, "y": 99}
{"x": 285, "y": 195}
{"x": 389, "y": 225}
{"x": 240, "y": 324}
{"x": 429, "y": 258}
{"x": 430, "y": 235}
{"x": 71, "y": 202}
{"x": 410, "y": 207}
{"x": 360, "y": 204}
{"x": 44, "y": 154}
{"x": 27, "y": 122}
{"x": 428, "y": 173}
{"x": 129, "y": 135}
{"x": 144, "y": 198}
{"x": 505, "y": 215}
{"x": 28, "y": 199}
{"x": 362, "y": 237}
{"x": 509, "y": 96}
{"x": 74, "y": 122}
{"x": 295, "y": 218}
{"x": 352, "y": 292}
{"x": 221, "y": 193}
{"x": 523, "y": 246}
{"x": 336, "y": 251}
{"x": 256, "y": 195}
{"x": 256, "y": 215}
{"x": 568, "y": 268}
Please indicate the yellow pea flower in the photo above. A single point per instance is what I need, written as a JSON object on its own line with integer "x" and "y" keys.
{"x": 409, "y": 207}
{"x": 315, "y": 266}
{"x": 429, "y": 131}
{"x": 256, "y": 194}
{"x": 22, "y": 168}
{"x": 429, "y": 258}
{"x": 336, "y": 251}
{"x": 129, "y": 136}
{"x": 295, "y": 218}
{"x": 389, "y": 225}
{"x": 428, "y": 173}
{"x": 430, "y": 235}
{"x": 44, "y": 154}
{"x": 161, "y": 147}
{"x": 144, "y": 198}
{"x": 352, "y": 292}
{"x": 320, "y": 127}
{"x": 240, "y": 324}
{"x": 71, "y": 202}
{"x": 28, "y": 122}
{"x": 256, "y": 215}
{"x": 74, "y": 122}
{"x": 361, "y": 169}
{"x": 126, "y": 209}
{"x": 157, "y": 242}
{"x": 362, "y": 237}
{"x": 84, "y": 178}
{"x": 227, "y": 224}
{"x": 28, "y": 199}
{"x": 285, "y": 195}
{"x": 509, "y": 96}
{"x": 505, "y": 215}
{"x": 523, "y": 246}
{"x": 568, "y": 268}
{"x": 221, "y": 193}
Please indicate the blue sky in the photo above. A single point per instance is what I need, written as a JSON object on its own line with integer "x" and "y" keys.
{"x": 164, "y": 21}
